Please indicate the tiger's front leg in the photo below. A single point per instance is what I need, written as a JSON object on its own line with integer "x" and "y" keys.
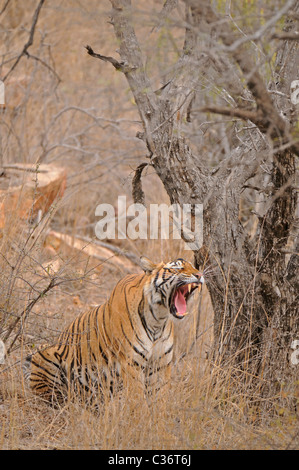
{"x": 156, "y": 378}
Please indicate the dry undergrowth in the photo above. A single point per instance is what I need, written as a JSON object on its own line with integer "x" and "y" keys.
{"x": 188, "y": 415}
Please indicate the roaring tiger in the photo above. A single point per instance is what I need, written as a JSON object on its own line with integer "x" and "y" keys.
{"x": 130, "y": 336}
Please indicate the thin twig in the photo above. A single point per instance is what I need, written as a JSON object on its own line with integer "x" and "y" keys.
{"x": 30, "y": 40}
{"x": 286, "y": 36}
{"x": 26, "y": 312}
{"x": 121, "y": 66}
{"x": 234, "y": 112}
{"x": 261, "y": 32}
{"x": 31, "y": 56}
{"x": 193, "y": 343}
{"x": 5, "y": 6}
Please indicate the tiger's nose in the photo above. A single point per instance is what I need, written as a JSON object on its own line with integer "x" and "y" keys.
{"x": 199, "y": 277}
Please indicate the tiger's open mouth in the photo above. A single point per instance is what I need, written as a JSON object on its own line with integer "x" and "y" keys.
{"x": 179, "y": 299}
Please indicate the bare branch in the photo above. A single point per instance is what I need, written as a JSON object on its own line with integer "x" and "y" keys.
{"x": 258, "y": 119}
{"x": 30, "y": 40}
{"x": 131, "y": 54}
{"x": 117, "y": 65}
{"x": 294, "y": 36}
{"x": 168, "y": 6}
{"x": 26, "y": 312}
{"x": 269, "y": 120}
{"x": 4, "y": 7}
{"x": 31, "y": 56}
{"x": 260, "y": 33}
{"x": 235, "y": 112}
{"x": 137, "y": 191}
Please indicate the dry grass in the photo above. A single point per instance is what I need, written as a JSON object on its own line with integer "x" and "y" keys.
{"x": 202, "y": 408}
{"x": 190, "y": 414}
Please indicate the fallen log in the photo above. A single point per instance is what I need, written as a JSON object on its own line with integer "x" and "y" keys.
{"x": 87, "y": 248}
{"x": 27, "y": 191}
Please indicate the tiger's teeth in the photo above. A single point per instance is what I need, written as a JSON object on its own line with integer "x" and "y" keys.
{"x": 189, "y": 287}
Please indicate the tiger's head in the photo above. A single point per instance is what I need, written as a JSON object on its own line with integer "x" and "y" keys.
{"x": 172, "y": 284}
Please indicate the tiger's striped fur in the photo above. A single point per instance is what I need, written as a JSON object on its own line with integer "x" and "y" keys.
{"x": 129, "y": 336}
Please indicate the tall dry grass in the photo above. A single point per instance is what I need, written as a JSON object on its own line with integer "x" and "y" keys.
{"x": 78, "y": 114}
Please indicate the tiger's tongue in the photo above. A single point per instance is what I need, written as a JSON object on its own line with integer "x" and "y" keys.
{"x": 180, "y": 302}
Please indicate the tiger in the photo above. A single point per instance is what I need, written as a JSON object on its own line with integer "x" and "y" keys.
{"x": 129, "y": 337}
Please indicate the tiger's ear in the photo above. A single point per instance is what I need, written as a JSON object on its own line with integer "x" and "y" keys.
{"x": 147, "y": 265}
